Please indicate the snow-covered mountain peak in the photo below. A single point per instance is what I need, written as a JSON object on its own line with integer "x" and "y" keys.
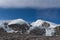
{"x": 39, "y": 22}
{"x": 49, "y": 27}
{"x": 18, "y": 21}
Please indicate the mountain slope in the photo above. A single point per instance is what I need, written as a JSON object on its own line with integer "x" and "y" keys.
{"x": 22, "y": 25}
{"x": 48, "y": 26}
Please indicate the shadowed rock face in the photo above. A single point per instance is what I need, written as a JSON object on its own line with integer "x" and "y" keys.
{"x": 45, "y": 24}
{"x": 37, "y": 31}
{"x": 57, "y": 29}
{"x": 18, "y": 27}
{"x": 5, "y": 24}
{"x": 2, "y": 31}
{"x": 14, "y": 27}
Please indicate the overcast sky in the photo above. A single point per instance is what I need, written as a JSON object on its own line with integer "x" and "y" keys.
{"x": 29, "y": 3}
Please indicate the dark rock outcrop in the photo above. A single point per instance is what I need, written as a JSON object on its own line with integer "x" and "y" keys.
{"x": 45, "y": 24}
{"x": 17, "y": 27}
{"x": 57, "y": 29}
{"x": 2, "y": 31}
{"x": 37, "y": 31}
{"x": 5, "y": 24}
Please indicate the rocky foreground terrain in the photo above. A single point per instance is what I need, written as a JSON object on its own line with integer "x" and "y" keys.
{"x": 20, "y": 29}
{"x": 5, "y": 36}
{"x": 18, "y": 36}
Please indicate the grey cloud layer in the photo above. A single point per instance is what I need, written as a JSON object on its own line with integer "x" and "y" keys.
{"x": 30, "y": 3}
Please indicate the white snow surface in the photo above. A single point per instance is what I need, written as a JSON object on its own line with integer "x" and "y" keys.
{"x": 39, "y": 23}
{"x": 18, "y": 21}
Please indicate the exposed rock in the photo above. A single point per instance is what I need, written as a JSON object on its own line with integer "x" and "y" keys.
{"x": 45, "y": 24}
{"x": 5, "y": 24}
{"x": 17, "y": 27}
{"x": 37, "y": 31}
{"x": 2, "y": 31}
{"x": 57, "y": 29}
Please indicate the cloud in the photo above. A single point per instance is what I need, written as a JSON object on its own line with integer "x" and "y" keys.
{"x": 29, "y": 3}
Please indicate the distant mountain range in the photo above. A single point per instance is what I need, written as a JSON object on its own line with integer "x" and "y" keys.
{"x": 22, "y": 26}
